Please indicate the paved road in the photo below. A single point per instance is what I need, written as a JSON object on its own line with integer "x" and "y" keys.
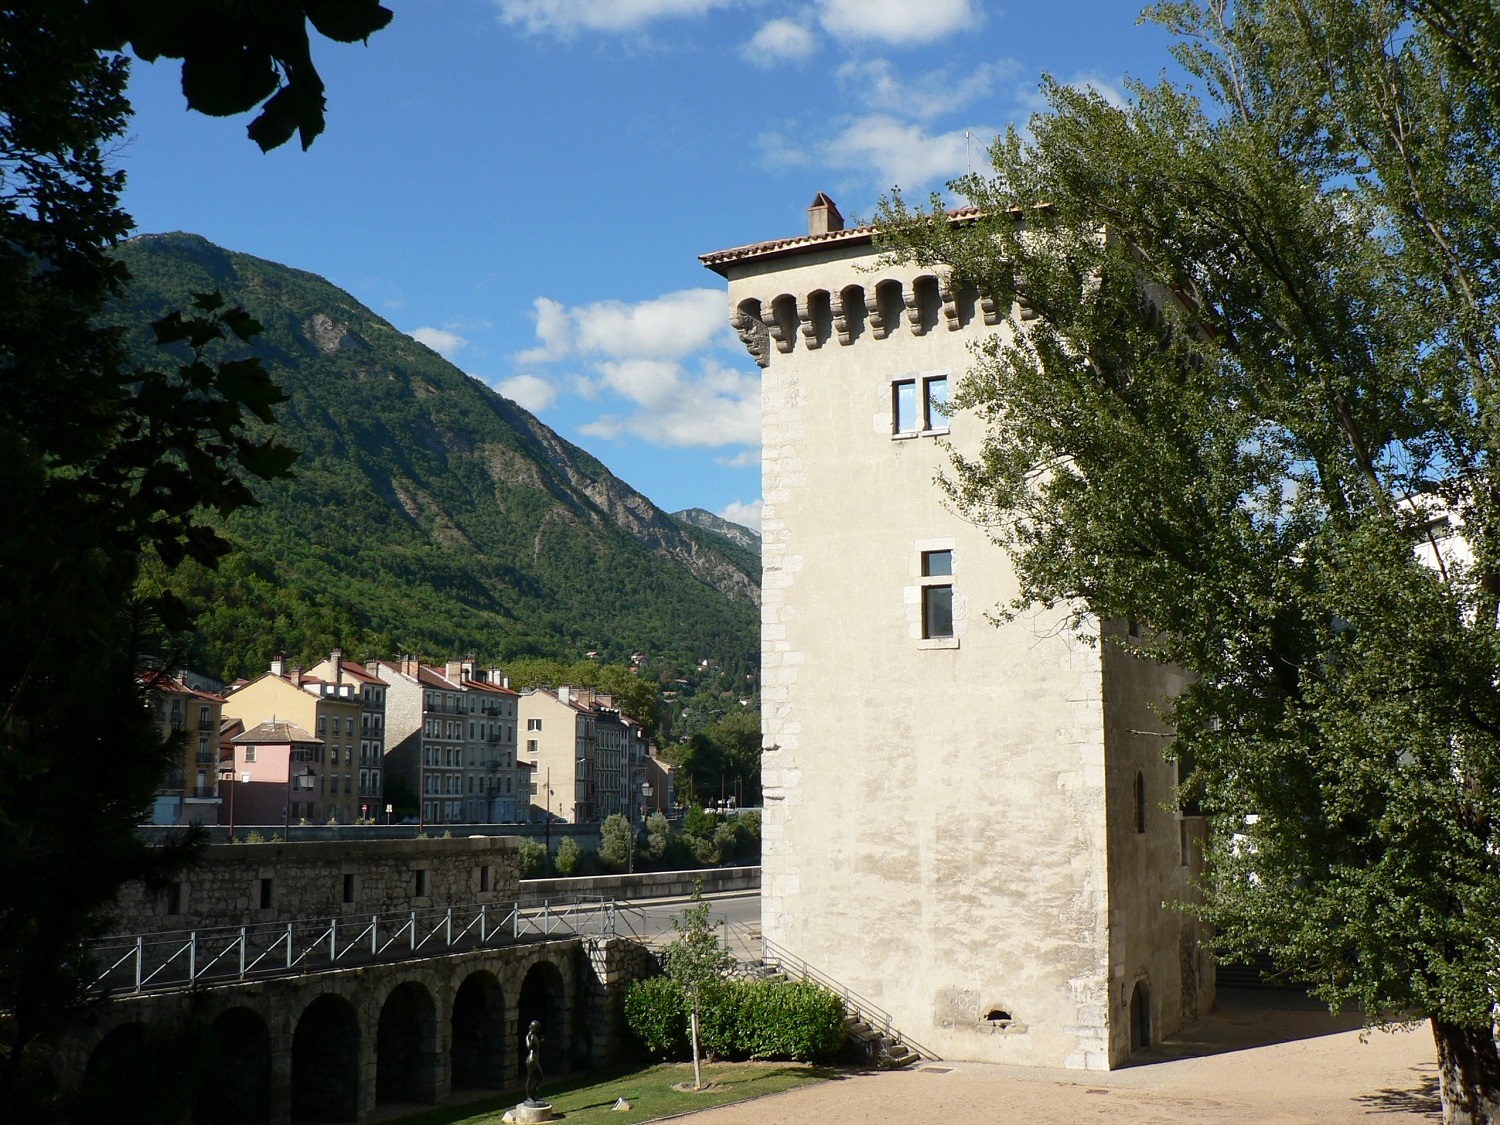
{"x": 650, "y": 920}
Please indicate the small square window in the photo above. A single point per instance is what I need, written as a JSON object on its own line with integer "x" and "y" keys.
{"x": 904, "y": 394}
{"x": 935, "y": 402}
{"x": 939, "y": 563}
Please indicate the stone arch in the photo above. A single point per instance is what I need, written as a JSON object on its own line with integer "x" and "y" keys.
{"x": 849, "y": 313}
{"x": 239, "y": 1089}
{"x": 1140, "y": 1016}
{"x": 325, "y": 1061}
{"x": 751, "y": 327}
{"x": 118, "y": 1079}
{"x": 885, "y": 310}
{"x": 543, "y": 997}
{"x": 406, "y": 1046}
{"x": 924, "y": 304}
{"x": 781, "y": 321}
{"x": 477, "y": 1042}
{"x": 816, "y": 314}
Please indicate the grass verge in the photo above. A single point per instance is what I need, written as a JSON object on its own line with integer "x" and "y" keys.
{"x": 590, "y": 1100}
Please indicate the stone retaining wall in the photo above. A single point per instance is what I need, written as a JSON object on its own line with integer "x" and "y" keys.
{"x": 241, "y": 884}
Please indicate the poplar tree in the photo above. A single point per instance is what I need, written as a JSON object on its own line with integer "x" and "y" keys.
{"x": 1253, "y": 403}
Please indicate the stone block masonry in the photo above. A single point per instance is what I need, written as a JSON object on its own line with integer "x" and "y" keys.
{"x": 240, "y": 884}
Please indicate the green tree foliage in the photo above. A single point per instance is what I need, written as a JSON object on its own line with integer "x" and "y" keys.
{"x": 637, "y": 698}
{"x": 615, "y": 843}
{"x": 655, "y": 1014}
{"x": 1256, "y": 379}
{"x": 535, "y": 862}
{"x": 109, "y": 455}
{"x": 700, "y": 966}
{"x": 659, "y": 838}
{"x": 570, "y": 859}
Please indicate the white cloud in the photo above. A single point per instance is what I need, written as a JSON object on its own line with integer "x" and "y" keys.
{"x": 713, "y": 406}
{"x": 780, "y": 41}
{"x": 744, "y": 459}
{"x": 898, "y": 152}
{"x": 673, "y": 325}
{"x": 897, "y": 21}
{"x": 552, "y": 329}
{"x": 565, "y": 17}
{"x": 746, "y": 515}
{"x": 876, "y": 83}
{"x": 440, "y": 340}
{"x": 530, "y": 391}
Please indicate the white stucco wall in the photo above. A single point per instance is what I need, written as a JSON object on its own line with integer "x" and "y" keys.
{"x": 935, "y": 834}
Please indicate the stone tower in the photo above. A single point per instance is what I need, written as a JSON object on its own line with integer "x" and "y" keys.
{"x": 968, "y": 825}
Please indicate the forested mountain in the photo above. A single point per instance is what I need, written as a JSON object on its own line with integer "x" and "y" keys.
{"x": 428, "y": 514}
{"x": 734, "y": 540}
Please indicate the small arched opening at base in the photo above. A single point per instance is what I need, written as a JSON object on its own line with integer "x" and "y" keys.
{"x": 1140, "y": 1017}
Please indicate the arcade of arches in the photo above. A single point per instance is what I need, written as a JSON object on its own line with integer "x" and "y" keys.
{"x": 337, "y": 1046}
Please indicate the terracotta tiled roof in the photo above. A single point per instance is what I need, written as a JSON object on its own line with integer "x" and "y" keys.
{"x": 720, "y": 260}
{"x": 277, "y": 730}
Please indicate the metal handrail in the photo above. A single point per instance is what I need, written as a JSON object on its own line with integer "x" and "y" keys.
{"x": 871, "y": 1013}
{"x": 182, "y": 958}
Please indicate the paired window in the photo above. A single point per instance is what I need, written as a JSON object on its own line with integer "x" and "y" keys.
{"x": 533, "y": 724}
{"x": 919, "y": 405}
{"x": 937, "y": 594}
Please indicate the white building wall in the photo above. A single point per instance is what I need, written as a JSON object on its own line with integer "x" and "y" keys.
{"x": 934, "y": 833}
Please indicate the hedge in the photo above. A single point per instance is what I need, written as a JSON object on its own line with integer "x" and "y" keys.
{"x": 746, "y": 1019}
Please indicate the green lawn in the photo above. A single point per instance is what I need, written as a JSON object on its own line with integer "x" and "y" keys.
{"x": 588, "y": 1101}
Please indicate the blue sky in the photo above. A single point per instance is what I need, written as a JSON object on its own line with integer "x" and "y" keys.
{"x": 525, "y": 185}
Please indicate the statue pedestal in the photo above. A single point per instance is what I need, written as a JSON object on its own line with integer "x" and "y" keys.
{"x": 528, "y": 1112}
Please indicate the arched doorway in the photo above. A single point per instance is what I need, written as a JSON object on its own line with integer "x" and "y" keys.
{"x": 543, "y": 998}
{"x": 1140, "y": 1017}
{"x": 406, "y": 1046}
{"x": 120, "y": 1081}
{"x": 236, "y": 1088}
{"x": 325, "y": 1062}
{"x": 477, "y": 1044}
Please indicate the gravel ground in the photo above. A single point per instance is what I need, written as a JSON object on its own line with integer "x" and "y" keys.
{"x": 1269, "y": 1057}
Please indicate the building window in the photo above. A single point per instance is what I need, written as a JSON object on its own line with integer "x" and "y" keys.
{"x": 348, "y": 888}
{"x": 421, "y": 880}
{"x": 533, "y": 724}
{"x": 919, "y": 405}
{"x": 937, "y": 597}
{"x": 484, "y": 878}
{"x": 322, "y": 725}
{"x": 249, "y": 754}
{"x": 265, "y": 893}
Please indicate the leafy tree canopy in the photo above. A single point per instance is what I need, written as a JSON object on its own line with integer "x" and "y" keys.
{"x": 106, "y": 459}
{"x": 1251, "y": 396}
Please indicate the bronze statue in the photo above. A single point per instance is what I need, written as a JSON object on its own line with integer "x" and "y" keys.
{"x": 533, "y": 1060}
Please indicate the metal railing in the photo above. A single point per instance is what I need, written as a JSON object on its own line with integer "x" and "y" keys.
{"x": 774, "y": 956}
{"x": 184, "y": 958}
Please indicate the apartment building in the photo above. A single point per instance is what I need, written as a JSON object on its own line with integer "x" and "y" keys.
{"x": 330, "y": 709}
{"x": 451, "y": 736}
{"x": 371, "y": 689}
{"x": 190, "y": 792}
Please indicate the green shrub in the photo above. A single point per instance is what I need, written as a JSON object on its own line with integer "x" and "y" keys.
{"x": 727, "y": 839}
{"x": 789, "y": 1020}
{"x": 535, "y": 862}
{"x": 749, "y": 849}
{"x": 569, "y": 859}
{"x": 657, "y": 1016}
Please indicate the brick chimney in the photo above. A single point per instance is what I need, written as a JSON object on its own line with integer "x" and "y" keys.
{"x": 823, "y": 216}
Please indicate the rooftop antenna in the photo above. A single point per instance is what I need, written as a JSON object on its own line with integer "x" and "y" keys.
{"x": 969, "y": 151}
